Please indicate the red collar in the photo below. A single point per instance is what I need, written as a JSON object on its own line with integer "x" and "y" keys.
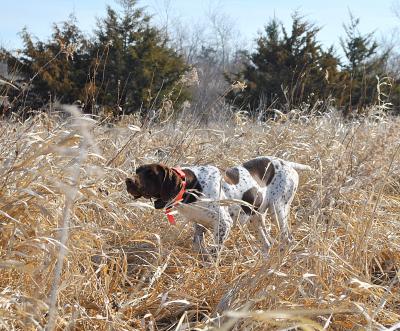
{"x": 178, "y": 198}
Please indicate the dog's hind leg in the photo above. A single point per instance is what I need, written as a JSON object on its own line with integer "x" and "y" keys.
{"x": 198, "y": 239}
{"x": 257, "y": 222}
{"x": 280, "y": 213}
{"x": 279, "y": 206}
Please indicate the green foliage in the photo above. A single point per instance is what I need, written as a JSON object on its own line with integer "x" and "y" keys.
{"x": 357, "y": 48}
{"x": 291, "y": 69}
{"x": 125, "y": 65}
{"x": 362, "y": 67}
{"x": 286, "y": 68}
{"x": 57, "y": 68}
{"x": 133, "y": 66}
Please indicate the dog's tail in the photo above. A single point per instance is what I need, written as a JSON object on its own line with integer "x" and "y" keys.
{"x": 299, "y": 166}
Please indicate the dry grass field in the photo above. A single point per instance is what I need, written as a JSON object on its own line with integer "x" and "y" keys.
{"x": 77, "y": 253}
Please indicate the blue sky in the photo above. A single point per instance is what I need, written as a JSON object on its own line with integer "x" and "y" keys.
{"x": 249, "y": 15}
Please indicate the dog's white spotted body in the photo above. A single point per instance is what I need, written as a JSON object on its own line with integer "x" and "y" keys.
{"x": 262, "y": 184}
{"x": 276, "y": 197}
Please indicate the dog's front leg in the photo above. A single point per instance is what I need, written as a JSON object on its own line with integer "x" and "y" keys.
{"x": 198, "y": 241}
{"x": 222, "y": 226}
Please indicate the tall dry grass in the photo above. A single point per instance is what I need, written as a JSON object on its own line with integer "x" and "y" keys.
{"x": 77, "y": 253}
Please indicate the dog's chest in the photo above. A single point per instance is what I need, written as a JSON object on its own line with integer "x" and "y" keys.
{"x": 199, "y": 212}
{"x": 205, "y": 209}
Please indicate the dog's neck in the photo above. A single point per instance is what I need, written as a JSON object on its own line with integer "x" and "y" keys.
{"x": 179, "y": 197}
{"x": 182, "y": 184}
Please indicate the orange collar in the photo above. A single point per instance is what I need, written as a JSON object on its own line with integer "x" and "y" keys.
{"x": 178, "y": 198}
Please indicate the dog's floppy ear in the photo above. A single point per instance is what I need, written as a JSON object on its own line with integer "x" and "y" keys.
{"x": 132, "y": 188}
{"x": 170, "y": 186}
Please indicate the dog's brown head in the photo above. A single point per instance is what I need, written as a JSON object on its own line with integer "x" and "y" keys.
{"x": 154, "y": 181}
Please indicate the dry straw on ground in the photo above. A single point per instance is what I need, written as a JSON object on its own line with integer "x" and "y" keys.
{"x": 62, "y": 199}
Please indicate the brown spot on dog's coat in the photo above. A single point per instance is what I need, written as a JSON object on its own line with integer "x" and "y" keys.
{"x": 232, "y": 176}
{"x": 253, "y": 197}
{"x": 261, "y": 169}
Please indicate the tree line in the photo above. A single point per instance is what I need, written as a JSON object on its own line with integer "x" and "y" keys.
{"x": 128, "y": 65}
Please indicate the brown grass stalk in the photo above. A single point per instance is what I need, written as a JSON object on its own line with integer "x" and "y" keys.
{"x": 71, "y": 233}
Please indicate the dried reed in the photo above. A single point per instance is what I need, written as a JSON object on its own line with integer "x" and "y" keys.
{"x": 118, "y": 265}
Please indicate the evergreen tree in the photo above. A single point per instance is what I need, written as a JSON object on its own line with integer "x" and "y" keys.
{"x": 133, "y": 67}
{"x": 56, "y": 68}
{"x": 126, "y": 65}
{"x": 363, "y": 65}
{"x": 286, "y": 68}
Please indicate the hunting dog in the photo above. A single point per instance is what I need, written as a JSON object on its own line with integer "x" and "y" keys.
{"x": 198, "y": 193}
